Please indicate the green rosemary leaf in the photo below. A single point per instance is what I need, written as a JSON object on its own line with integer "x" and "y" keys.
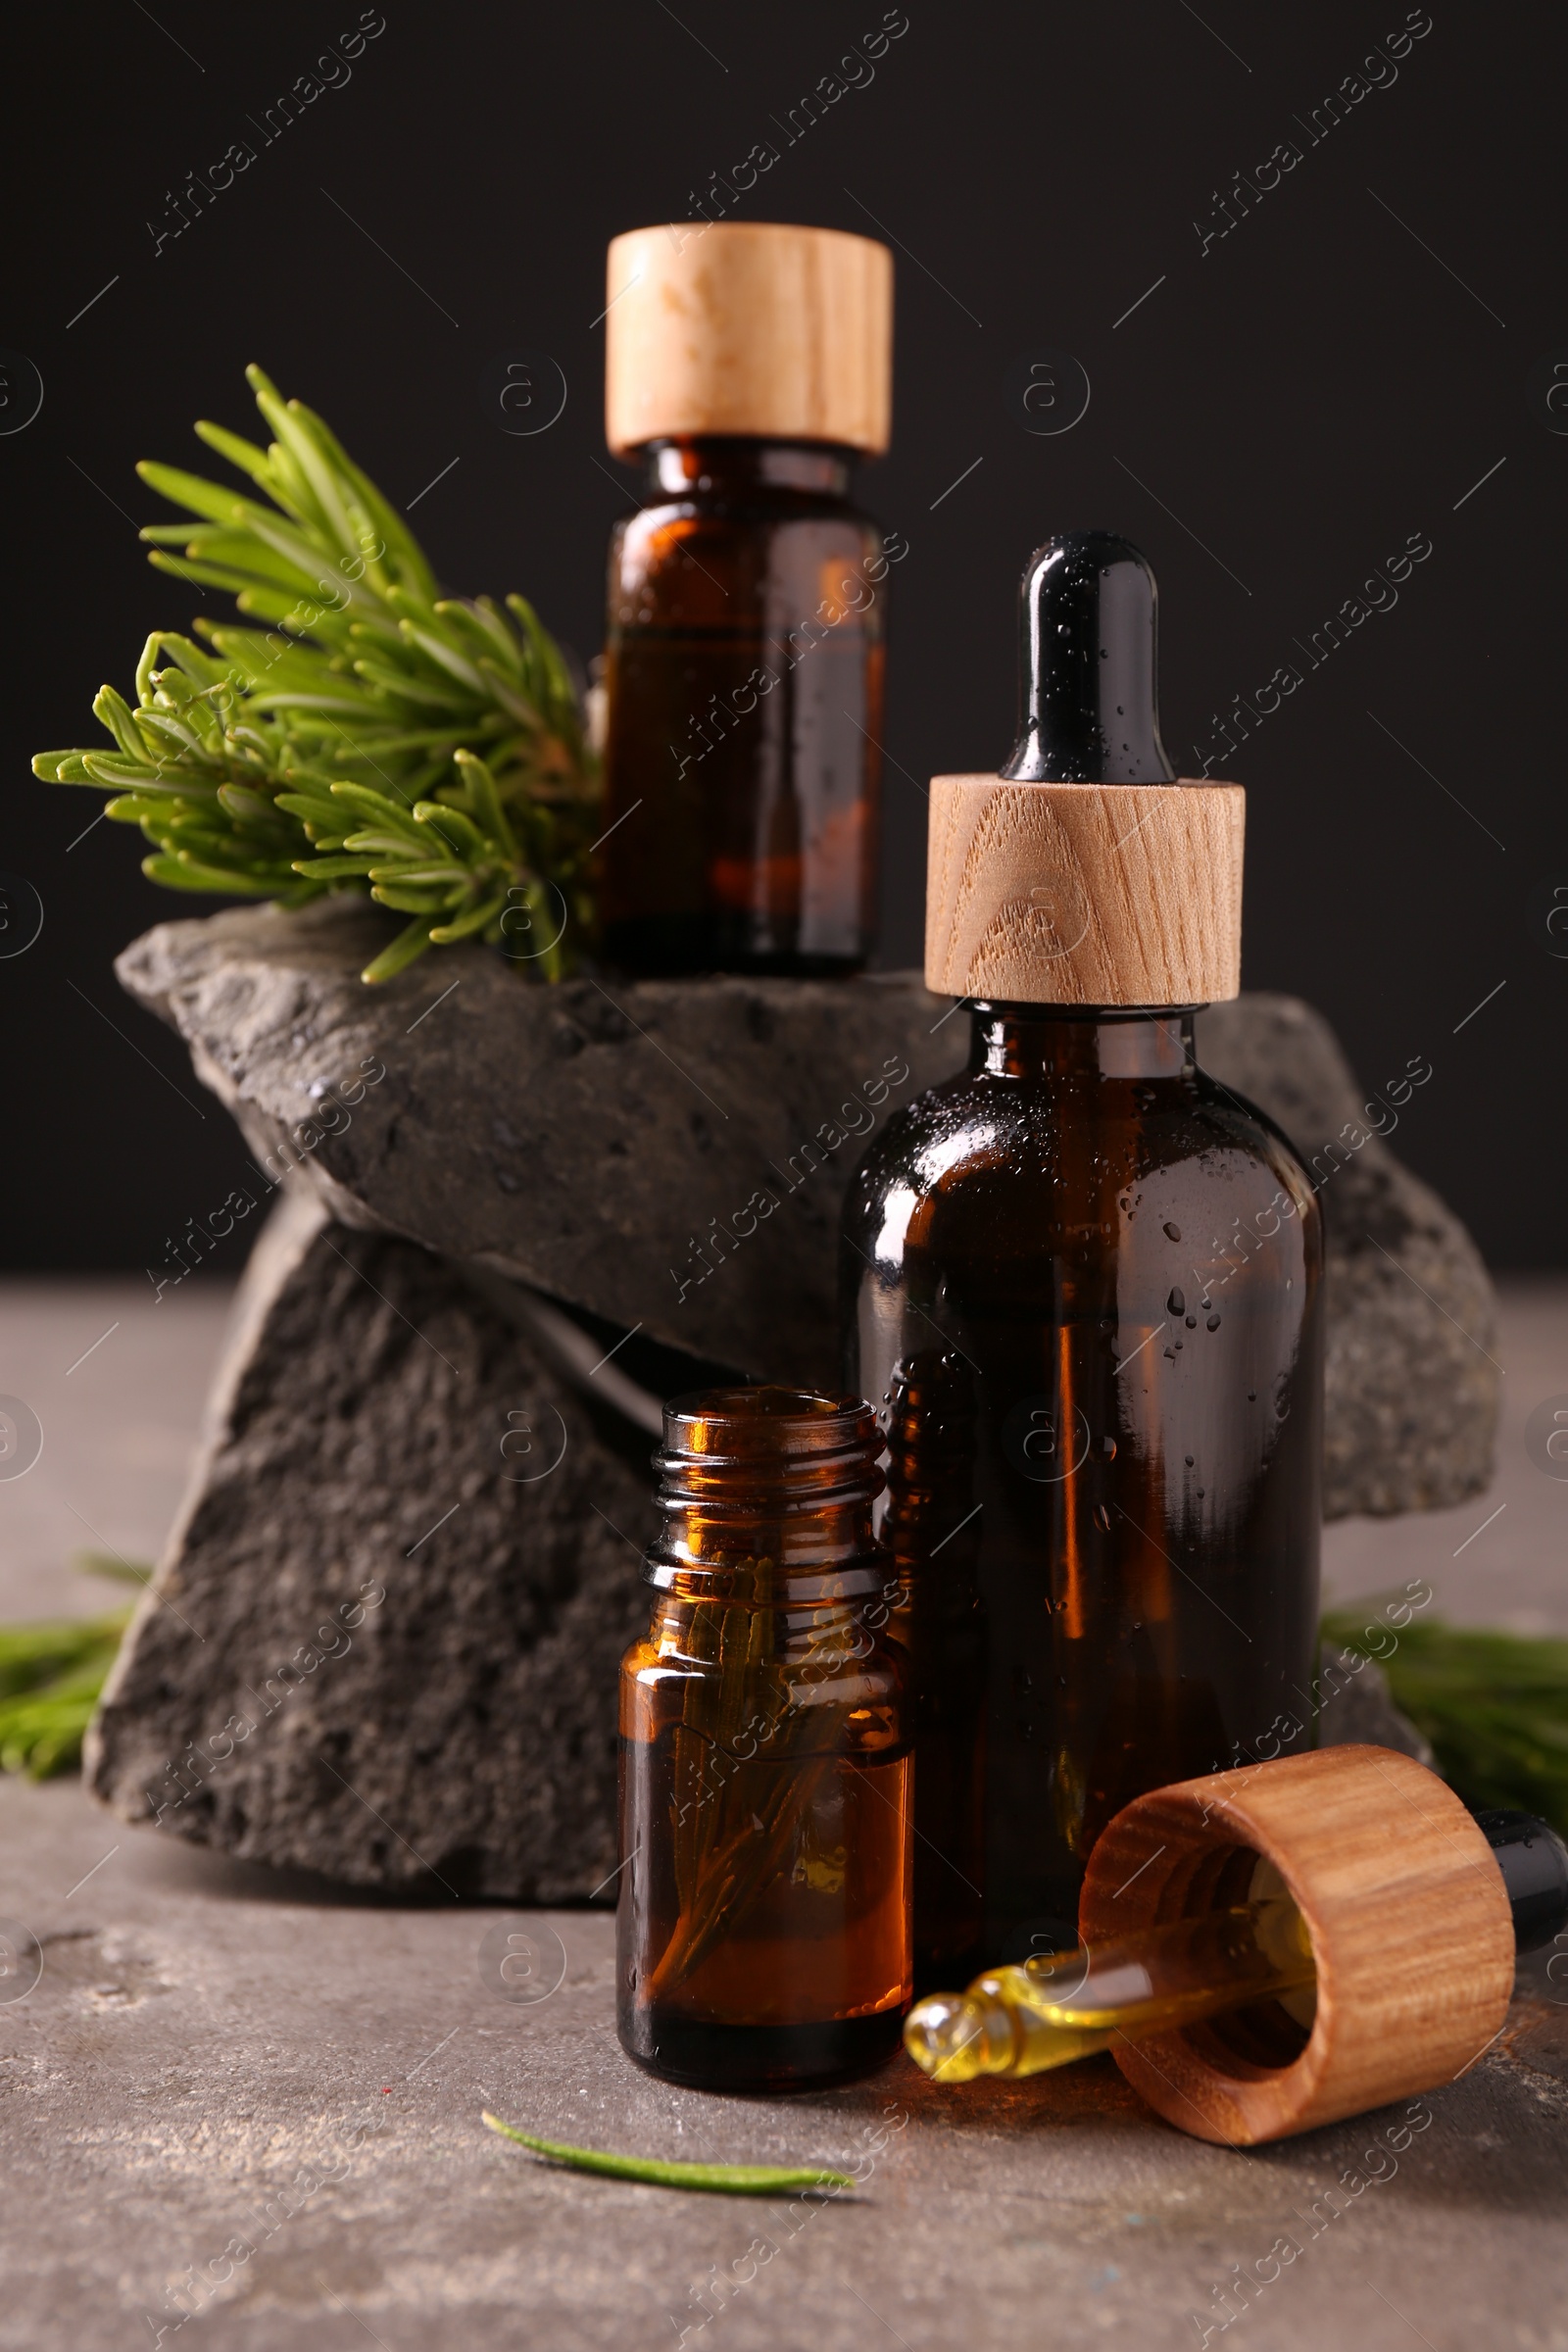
{"x": 334, "y": 869}
{"x": 111, "y": 1566}
{"x": 427, "y": 904}
{"x": 404, "y": 948}
{"x": 183, "y": 873}
{"x": 184, "y": 489}
{"x": 196, "y": 665}
{"x": 114, "y": 714}
{"x": 452, "y": 826}
{"x": 732, "y": 2180}
{"x": 414, "y": 877}
{"x": 120, "y": 774}
{"x": 446, "y": 657}
{"x": 414, "y": 690}
{"x": 59, "y": 767}
{"x": 485, "y": 800}
{"x": 463, "y": 926}
{"x": 242, "y": 453}
{"x": 294, "y": 431}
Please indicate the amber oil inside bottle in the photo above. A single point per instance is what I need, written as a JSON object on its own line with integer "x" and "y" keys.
{"x": 744, "y": 677}
{"x": 765, "y": 1824}
{"x": 1117, "y": 1261}
{"x": 932, "y": 1528}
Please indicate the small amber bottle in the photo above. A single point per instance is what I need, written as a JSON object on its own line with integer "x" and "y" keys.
{"x": 746, "y": 368}
{"x": 1116, "y": 1263}
{"x": 765, "y": 1816}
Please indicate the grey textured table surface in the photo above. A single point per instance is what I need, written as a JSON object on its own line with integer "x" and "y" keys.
{"x": 234, "y": 2078}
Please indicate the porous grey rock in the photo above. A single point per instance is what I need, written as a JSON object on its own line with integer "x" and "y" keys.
{"x": 612, "y": 1145}
{"x": 616, "y": 1146}
{"x": 383, "y": 1641}
{"x": 1357, "y": 1708}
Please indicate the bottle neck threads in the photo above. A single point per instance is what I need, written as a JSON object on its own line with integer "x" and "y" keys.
{"x": 766, "y": 1497}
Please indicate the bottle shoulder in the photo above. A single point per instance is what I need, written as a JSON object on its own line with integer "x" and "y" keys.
{"x": 972, "y": 1129}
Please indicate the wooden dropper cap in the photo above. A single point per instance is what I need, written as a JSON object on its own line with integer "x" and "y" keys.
{"x": 747, "y": 327}
{"x": 1409, "y": 1915}
{"x": 1086, "y": 873}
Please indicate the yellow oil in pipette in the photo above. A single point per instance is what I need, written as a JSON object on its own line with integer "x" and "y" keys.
{"x": 1046, "y": 2012}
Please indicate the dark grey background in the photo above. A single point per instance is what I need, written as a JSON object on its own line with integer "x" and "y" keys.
{"x": 1278, "y": 417}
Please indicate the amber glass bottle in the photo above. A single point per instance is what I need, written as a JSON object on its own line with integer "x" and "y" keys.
{"x": 747, "y": 368}
{"x": 1120, "y": 1262}
{"x": 932, "y": 1528}
{"x": 763, "y": 1924}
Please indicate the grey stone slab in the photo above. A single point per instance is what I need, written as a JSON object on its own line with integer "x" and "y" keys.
{"x": 384, "y": 1641}
{"x": 619, "y": 1149}
{"x": 205, "y": 2032}
{"x": 1501, "y": 1558}
{"x": 1411, "y": 1371}
{"x": 1358, "y": 1709}
{"x": 613, "y": 1146}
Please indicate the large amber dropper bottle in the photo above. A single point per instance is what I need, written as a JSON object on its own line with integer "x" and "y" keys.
{"x": 1103, "y": 1268}
{"x": 747, "y": 367}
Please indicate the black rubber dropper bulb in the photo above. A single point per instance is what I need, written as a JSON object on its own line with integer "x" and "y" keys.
{"x": 1089, "y": 610}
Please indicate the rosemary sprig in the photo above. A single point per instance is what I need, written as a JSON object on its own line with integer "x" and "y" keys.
{"x": 371, "y": 735}
{"x": 51, "y": 1675}
{"x": 1494, "y": 1705}
{"x": 732, "y": 2180}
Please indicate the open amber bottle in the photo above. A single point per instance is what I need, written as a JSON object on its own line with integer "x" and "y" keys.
{"x": 747, "y": 368}
{"x": 1116, "y": 1263}
{"x": 765, "y": 1823}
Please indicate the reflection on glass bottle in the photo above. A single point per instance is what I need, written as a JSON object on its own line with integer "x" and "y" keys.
{"x": 1145, "y": 1394}
{"x": 932, "y": 1530}
{"x": 744, "y": 679}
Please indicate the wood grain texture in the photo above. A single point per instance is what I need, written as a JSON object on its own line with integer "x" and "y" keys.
{"x": 747, "y": 327}
{"x": 1084, "y": 893}
{"x": 1405, "y": 1907}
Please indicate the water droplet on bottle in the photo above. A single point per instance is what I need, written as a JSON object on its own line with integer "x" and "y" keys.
{"x": 1251, "y": 1395}
{"x": 1191, "y": 1322}
{"x": 1102, "y": 1516}
{"x": 1187, "y": 1460}
{"x": 1173, "y": 1233}
{"x": 1176, "y": 1303}
{"x": 1213, "y": 1322}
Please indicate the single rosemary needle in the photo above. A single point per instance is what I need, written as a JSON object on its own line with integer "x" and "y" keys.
{"x": 732, "y": 2180}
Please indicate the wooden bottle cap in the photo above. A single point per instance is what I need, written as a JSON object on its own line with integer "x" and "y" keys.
{"x": 747, "y": 327}
{"x": 1084, "y": 893}
{"x": 1408, "y": 1912}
